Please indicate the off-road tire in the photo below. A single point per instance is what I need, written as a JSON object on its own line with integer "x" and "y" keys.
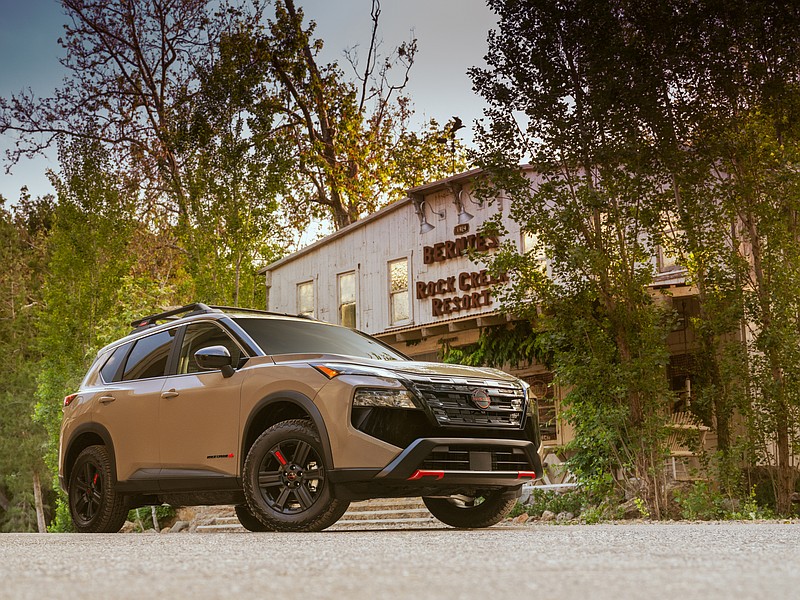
{"x": 249, "y": 520}
{"x": 94, "y": 504}
{"x": 285, "y": 496}
{"x": 493, "y": 508}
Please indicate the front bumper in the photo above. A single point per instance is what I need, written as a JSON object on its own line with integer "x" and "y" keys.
{"x": 444, "y": 466}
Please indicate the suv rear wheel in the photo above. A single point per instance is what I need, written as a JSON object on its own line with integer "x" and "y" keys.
{"x": 285, "y": 480}
{"x": 469, "y": 512}
{"x": 249, "y": 520}
{"x": 94, "y": 505}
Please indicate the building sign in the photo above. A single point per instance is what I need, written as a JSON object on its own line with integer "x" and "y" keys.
{"x": 468, "y": 291}
{"x": 456, "y": 248}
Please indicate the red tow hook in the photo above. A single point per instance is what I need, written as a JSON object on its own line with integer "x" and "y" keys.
{"x": 420, "y": 473}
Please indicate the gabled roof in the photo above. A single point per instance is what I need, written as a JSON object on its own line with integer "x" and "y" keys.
{"x": 421, "y": 190}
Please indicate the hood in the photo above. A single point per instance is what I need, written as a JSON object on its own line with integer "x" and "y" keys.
{"x": 428, "y": 369}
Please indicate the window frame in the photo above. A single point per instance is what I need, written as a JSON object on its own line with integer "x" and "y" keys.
{"x": 167, "y": 368}
{"x": 541, "y": 257}
{"x": 391, "y": 295}
{"x": 179, "y": 337}
{"x": 298, "y": 285}
{"x": 339, "y": 303}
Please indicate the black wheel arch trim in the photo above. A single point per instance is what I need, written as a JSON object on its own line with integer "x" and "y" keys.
{"x": 300, "y": 400}
{"x": 104, "y": 435}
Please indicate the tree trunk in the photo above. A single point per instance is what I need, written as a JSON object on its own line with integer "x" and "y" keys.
{"x": 236, "y": 282}
{"x": 37, "y": 498}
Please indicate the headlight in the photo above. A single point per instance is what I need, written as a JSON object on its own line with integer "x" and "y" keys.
{"x": 331, "y": 370}
{"x": 529, "y": 397}
{"x": 384, "y": 398}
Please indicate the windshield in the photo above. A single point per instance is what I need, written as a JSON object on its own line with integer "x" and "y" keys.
{"x": 279, "y": 336}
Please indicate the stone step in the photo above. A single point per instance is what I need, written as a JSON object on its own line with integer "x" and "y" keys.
{"x": 344, "y": 523}
{"x": 224, "y": 528}
{"x": 386, "y": 512}
{"x": 402, "y": 513}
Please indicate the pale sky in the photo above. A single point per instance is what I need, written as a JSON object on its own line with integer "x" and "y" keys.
{"x": 451, "y": 37}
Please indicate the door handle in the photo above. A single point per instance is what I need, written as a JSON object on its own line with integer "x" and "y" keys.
{"x": 169, "y": 394}
{"x": 106, "y": 399}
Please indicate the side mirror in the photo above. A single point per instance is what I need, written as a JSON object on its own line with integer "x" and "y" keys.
{"x": 213, "y": 358}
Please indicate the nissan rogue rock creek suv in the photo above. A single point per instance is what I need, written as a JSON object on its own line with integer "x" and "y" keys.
{"x": 289, "y": 419}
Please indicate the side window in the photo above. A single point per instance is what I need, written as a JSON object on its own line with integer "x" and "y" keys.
{"x": 110, "y": 370}
{"x": 149, "y": 356}
{"x": 203, "y": 335}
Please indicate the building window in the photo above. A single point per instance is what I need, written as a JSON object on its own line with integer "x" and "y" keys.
{"x": 398, "y": 290}
{"x": 530, "y": 245}
{"x": 347, "y": 299}
{"x": 305, "y": 299}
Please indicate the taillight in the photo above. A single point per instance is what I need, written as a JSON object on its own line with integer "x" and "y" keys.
{"x": 68, "y": 399}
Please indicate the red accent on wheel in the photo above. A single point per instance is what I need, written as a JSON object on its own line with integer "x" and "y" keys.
{"x": 280, "y": 457}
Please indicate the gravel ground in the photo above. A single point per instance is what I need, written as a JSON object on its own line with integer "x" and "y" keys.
{"x": 719, "y": 560}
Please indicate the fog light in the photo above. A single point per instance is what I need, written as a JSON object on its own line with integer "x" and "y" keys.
{"x": 384, "y": 398}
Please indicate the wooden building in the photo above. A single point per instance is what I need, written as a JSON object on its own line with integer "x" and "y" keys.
{"x": 402, "y": 275}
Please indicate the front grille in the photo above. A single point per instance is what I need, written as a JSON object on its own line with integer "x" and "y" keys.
{"x": 451, "y": 401}
{"x": 476, "y": 458}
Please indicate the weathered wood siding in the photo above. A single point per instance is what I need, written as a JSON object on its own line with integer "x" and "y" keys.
{"x": 367, "y": 247}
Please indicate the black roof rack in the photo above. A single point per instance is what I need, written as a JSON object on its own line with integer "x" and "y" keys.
{"x": 198, "y": 308}
{"x": 258, "y": 312}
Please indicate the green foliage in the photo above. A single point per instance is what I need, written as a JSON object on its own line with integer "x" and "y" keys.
{"x": 557, "y": 502}
{"x": 142, "y": 517}
{"x": 23, "y": 229}
{"x": 87, "y": 260}
{"x": 62, "y": 521}
{"x": 501, "y": 345}
{"x": 703, "y": 501}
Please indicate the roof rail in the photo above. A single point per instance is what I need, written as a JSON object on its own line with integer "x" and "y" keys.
{"x": 198, "y": 308}
{"x": 258, "y": 312}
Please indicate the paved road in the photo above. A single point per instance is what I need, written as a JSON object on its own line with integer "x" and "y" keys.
{"x": 733, "y": 560}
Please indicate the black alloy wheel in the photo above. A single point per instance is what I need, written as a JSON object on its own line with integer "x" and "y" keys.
{"x": 93, "y": 503}
{"x": 286, "y": 485}
{"x": 88, "y": 492}
{"x": 290, "y": 478}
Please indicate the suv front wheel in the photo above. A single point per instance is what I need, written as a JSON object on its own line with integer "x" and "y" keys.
{"x": 467, "y": 512}
{"x": 285, "y": 480}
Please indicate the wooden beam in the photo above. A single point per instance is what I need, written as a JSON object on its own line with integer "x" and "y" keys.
{"x": 409, "y": 336}
{"x": 456, "y": 326}
{"x": 434, "y": 330}
{"x": 491, "y": 320}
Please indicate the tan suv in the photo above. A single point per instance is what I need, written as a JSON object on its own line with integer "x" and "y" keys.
{"x": 290, "y": 419}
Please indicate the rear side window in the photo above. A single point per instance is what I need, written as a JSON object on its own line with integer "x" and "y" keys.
{"x": 110, "y": 370}
{"x": 149, "y": 356}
